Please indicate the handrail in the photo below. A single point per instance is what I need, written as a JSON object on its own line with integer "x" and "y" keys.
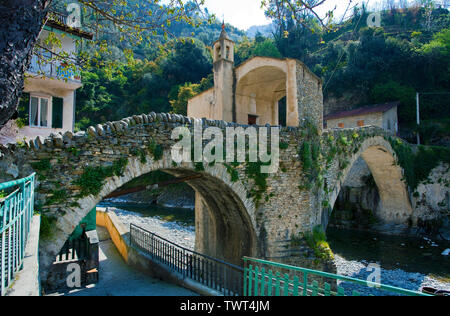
{"x": 13, "y": 183}
{"x": 192, "y": 251}
{"x": 211, "y": 272}
{"x": 306, "y": 272}
{"x": 16, "y": 212}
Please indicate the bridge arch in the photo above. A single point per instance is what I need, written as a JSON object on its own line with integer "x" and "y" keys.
{"x": 225, "y": 215}
{"x": 388, "y": 175}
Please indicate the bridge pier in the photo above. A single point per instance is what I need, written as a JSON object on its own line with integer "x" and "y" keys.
{"x": 205, "y": 231}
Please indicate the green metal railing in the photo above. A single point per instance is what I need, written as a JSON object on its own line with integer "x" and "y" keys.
{"x": 265, "y": 278}
{"x": 16, "y": 212}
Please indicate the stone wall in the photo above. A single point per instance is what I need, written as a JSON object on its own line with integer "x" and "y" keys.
{"x": 431, "y": 200}
{"x": 118, "y": 152}
{"x": 251, "y": 214}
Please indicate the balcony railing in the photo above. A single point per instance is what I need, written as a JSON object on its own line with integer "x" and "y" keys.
{"x": 54, "y": 69}
{"x": 16, "y": 211}
{"x": 58, "y": 17}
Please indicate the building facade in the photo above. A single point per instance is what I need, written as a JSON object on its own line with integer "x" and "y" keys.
{"x": 49, "y": 94}
{"x": 260, "y": 91}
{"x": 381, "y": 115}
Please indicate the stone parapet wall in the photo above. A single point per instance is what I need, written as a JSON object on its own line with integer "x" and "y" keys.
{"x": 253, "y": 214}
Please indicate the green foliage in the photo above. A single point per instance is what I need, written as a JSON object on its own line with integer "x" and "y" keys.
{"x": 47, "y": 226}
{"x": 263, "y": 47}
{"x": 432, "y": 131}
{"x": 93, "y": 178}
{"x": 185, "y": 92}
{"x": 74, "y": 151}
{"x": 284, "y": 146}
{"x": 394, "y": 91}
{"x": 58, "y": 196}
{"x": 156, "y": 150}
{"x": 253, "y": 171}
{"x": 306, "y": 156}
{"x": 145, "y": 85}
{"x": 141, "y": 154}
{"x": 21, "y": 122}
{"x": 317, "y": 241}
{"x": 362, "y": 66}
{"x": 42, "y": 165}
{"x": 233, "y": 172}
{"x": 417, "y": 164}
{"x": 199, "y": 167}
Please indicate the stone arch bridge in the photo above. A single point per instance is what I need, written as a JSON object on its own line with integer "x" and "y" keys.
{"x": 238, "y": 211}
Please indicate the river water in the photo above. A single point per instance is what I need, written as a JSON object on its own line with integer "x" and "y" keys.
{"x": 406, "y": 262}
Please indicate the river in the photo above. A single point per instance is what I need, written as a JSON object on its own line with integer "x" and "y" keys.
{"x": 405, "y": 262}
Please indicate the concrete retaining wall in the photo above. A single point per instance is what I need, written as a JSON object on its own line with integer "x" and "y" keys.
{"x": 120, "y": 235}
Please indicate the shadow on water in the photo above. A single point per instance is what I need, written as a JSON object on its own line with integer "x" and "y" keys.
{"x": 409, "y": 254}
{"x": 181, "y": 216}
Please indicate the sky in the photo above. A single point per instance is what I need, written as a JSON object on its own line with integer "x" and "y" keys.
{"x": 246, "y": 13}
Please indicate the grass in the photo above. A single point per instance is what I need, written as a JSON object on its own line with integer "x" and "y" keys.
{"x": 317, "y": 241}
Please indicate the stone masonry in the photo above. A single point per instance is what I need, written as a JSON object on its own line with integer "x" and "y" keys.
{"x": 237, "y": 215}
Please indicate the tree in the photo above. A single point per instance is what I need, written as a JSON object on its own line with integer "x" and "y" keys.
{"x": 21, "y": 23}
{"x": 23, "y": 20}
{"x": 188, "y": 61}
{"x": 300, "y": 11}
{"x": 185, "y": 93}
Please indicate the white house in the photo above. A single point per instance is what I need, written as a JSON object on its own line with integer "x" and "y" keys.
{"x": 50, "y": 85}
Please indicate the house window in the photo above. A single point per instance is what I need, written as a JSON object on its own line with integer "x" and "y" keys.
{"x": 39, "y": 111}
{"x": 360, "y": 123}
{"x": 341, "y": 125}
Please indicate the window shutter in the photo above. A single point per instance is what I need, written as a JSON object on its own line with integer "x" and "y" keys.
{"x": 57, "y": 115}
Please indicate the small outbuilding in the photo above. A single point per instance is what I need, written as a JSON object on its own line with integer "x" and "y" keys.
{"x": 381, "y": 115}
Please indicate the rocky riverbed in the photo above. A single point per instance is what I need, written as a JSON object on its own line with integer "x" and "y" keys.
{"x": 175, "y": 232}
{"x": 398, "y": 278}
{"x": 182, "y": 234}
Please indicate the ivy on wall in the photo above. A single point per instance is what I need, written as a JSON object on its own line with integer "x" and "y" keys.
{"x": 93, "y": 178}
{"x": 418, "y": 163}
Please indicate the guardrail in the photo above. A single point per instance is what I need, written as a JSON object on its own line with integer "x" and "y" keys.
{"x": 266, "y": 278}
{"x": 211, "y": 272}
{"x": 16, "y": 212}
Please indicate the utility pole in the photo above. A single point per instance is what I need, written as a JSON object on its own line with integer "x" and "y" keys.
{"x": 418, "y": 116}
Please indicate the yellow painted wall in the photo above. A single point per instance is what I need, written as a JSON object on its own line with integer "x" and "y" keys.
{"x": 116, "y": 230}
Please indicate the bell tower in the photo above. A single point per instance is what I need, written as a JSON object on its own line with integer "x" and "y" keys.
{"x": 223, "y": 77}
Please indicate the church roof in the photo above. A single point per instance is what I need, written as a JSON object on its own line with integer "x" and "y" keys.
{"x": 224, "y": 35}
